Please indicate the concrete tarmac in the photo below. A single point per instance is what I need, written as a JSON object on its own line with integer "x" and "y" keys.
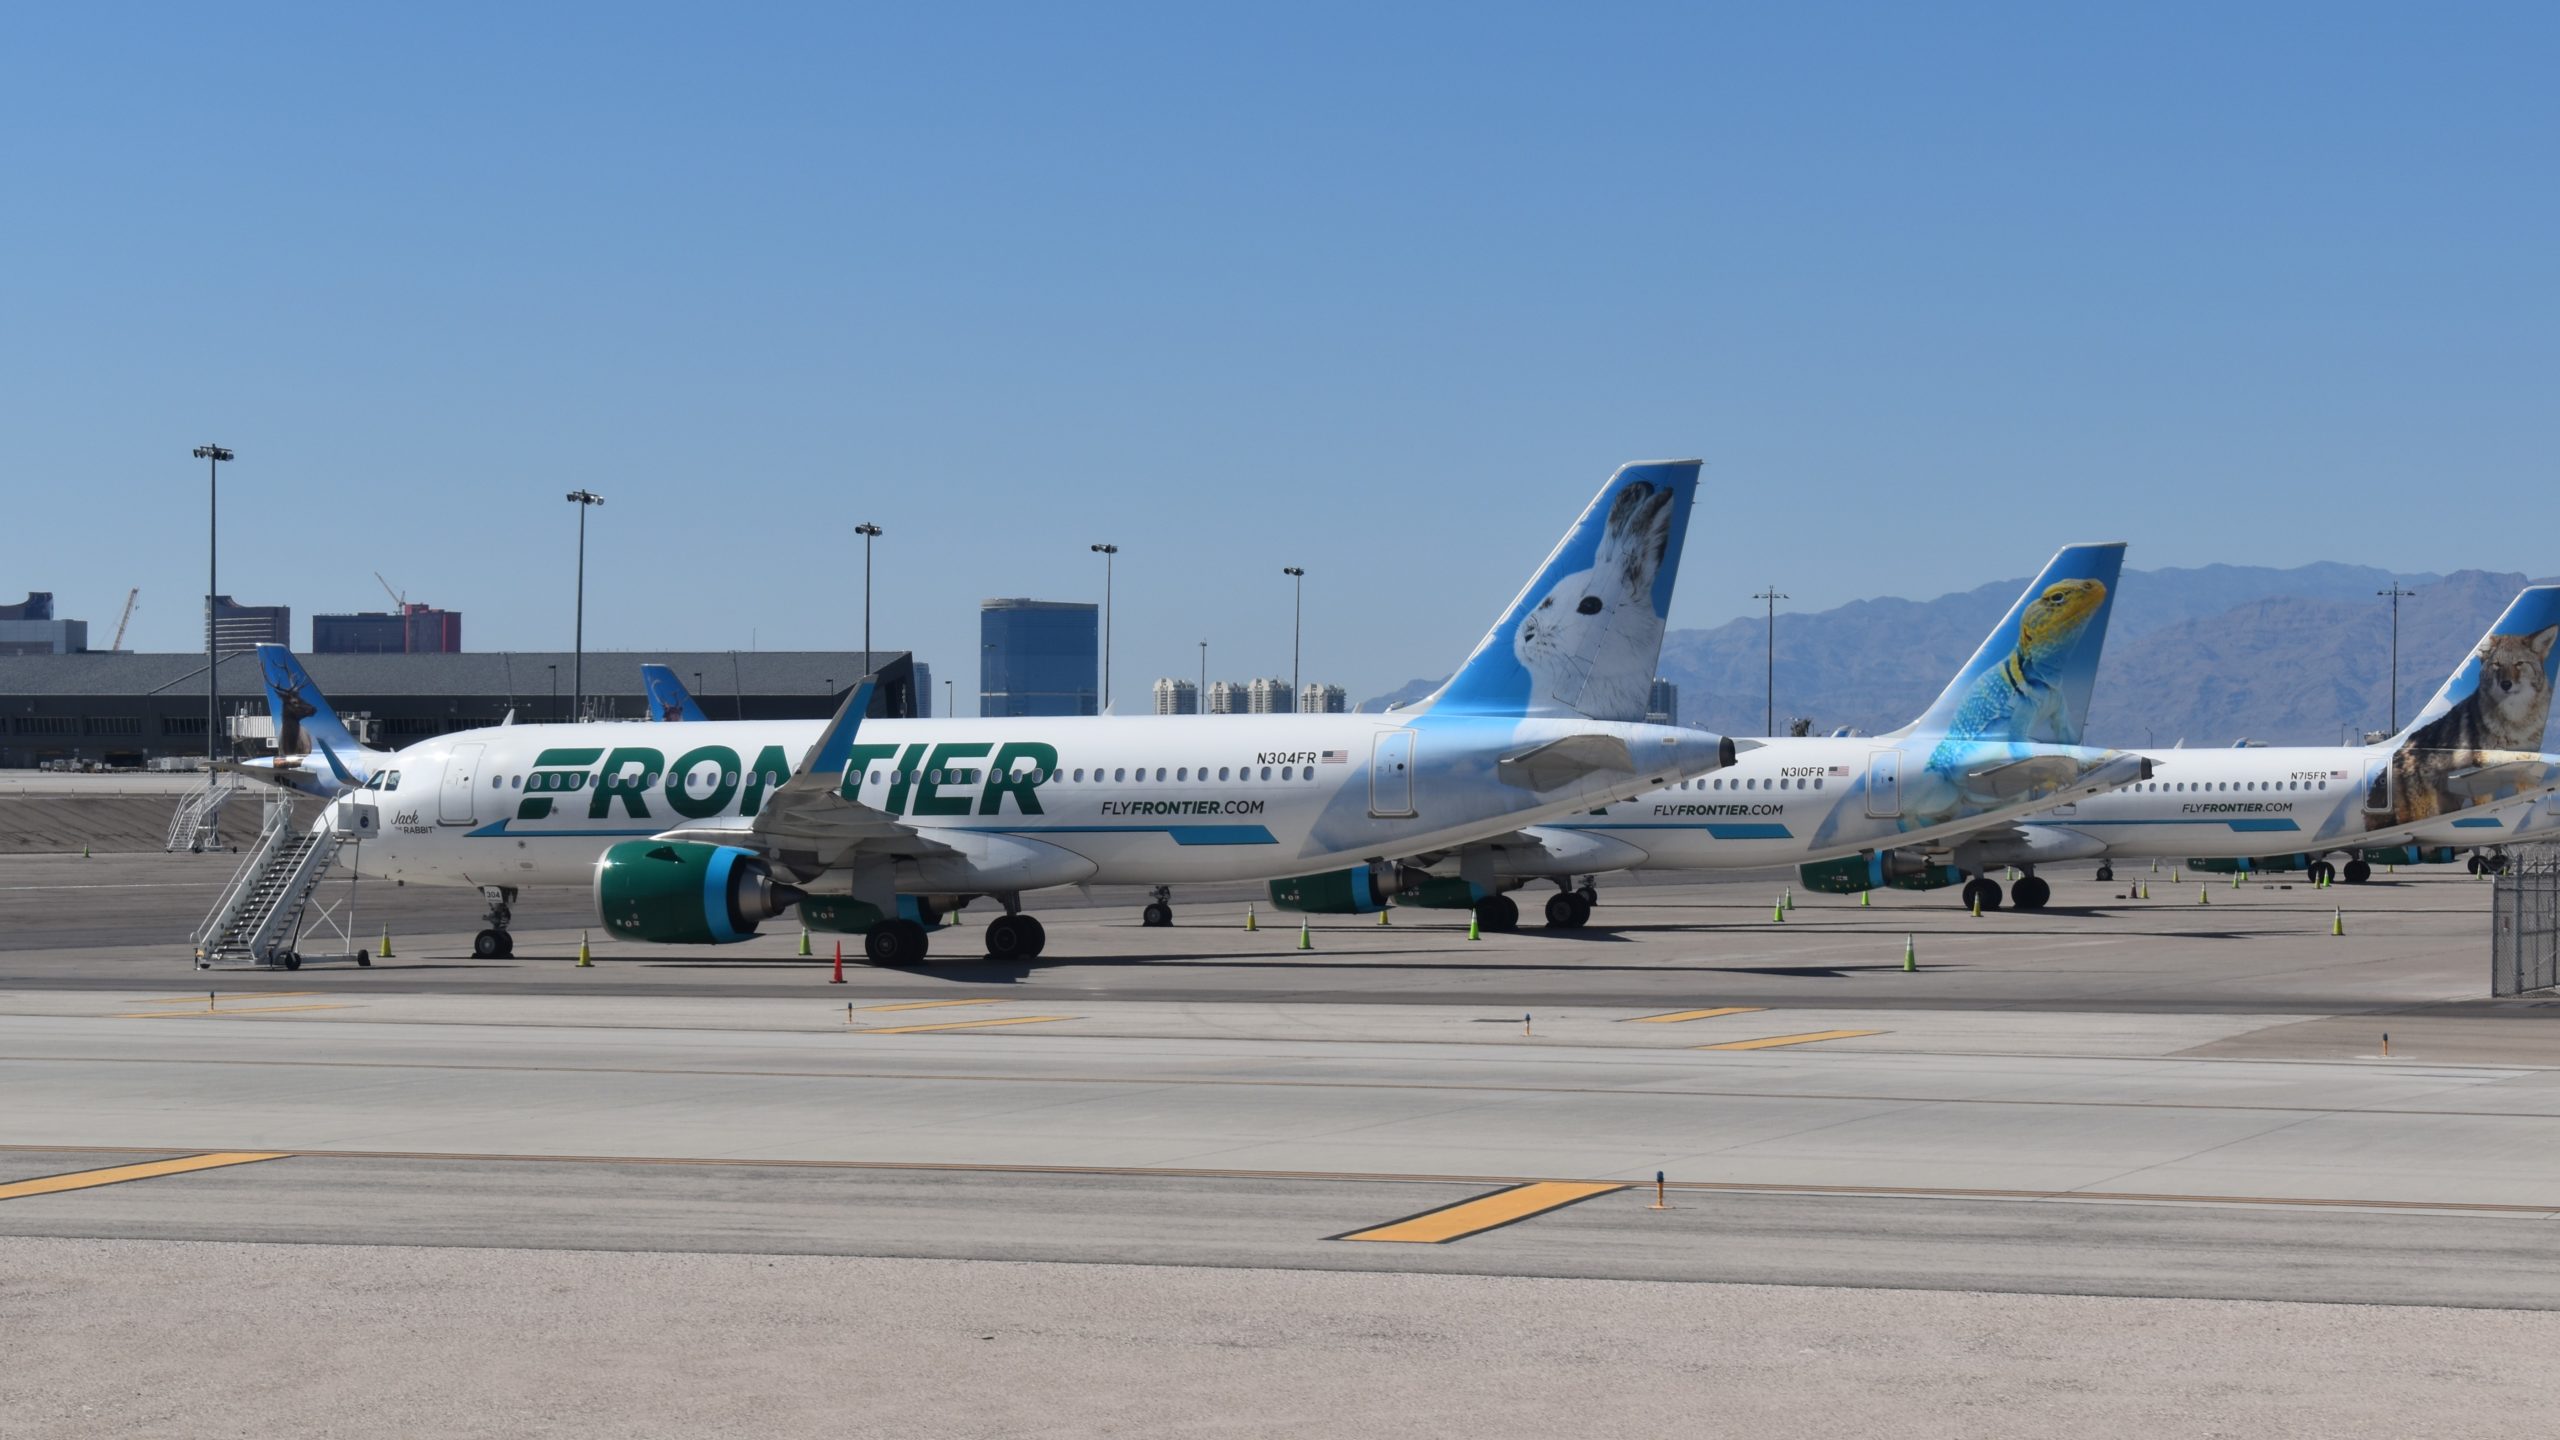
{"x": 2113, "y": 1168}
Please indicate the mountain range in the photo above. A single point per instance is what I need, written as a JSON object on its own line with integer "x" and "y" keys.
{"x": 2209, "y": 656}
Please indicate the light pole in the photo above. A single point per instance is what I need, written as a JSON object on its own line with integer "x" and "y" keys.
{"x": 1200, "y": 697}
{"x": 1297, "y": 614}
{"x": 869, "y": 532}
{"x": 2395, "y": 594}
{"x": 212, "y": 456}
{"x": 1773, "y": 597}
{"x": 950, "y": 699}
{"x": 1106, "y": 552}
{"x": 578, "y": 661}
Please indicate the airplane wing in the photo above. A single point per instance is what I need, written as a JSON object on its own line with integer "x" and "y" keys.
{"x": 808, "y": 825}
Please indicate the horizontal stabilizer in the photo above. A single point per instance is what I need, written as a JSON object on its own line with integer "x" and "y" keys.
{"x": 2510, "y": 777}
{"x": 1559, "y": 763}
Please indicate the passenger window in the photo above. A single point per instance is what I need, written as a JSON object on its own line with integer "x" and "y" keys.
{"x": 1222, "y": 772}
{"x": 1119, "y": 774}
{"x": 1182, "y": 774}
{"x": 1287, "y": 774}
{"x": 1817, "y": 782}
{"x": 1159, "y": 772}
{"x": 1266, "y": 772}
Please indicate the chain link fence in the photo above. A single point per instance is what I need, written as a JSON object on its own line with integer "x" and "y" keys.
{"x": 2524, "y": 936}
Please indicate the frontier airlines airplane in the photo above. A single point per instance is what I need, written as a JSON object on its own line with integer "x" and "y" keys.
{"x": 2468, "y": 770}
{"x": 880, "y": 827}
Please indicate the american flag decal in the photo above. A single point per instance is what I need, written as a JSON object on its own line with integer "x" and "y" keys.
{"x": 1334, "y": 757}
{"x": 1839, "y": 769}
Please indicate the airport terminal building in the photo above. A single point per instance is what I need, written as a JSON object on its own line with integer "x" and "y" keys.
{"x": 128, "y": 710}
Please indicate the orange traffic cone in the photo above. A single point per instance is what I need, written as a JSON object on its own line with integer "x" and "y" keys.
{"x": 839, "y": 977}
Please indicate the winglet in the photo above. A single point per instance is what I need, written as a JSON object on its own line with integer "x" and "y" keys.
{"x": 345, "y": 777}
{"x": 668, "y": 699}
{"x": 2041, "y": 660}
{"x": 1583, "y": 637}
{"x": 835, "y": 747}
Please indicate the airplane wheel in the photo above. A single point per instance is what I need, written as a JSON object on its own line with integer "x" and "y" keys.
{"x": 2319, "y": 872}
{"x": 1561, "y": 908}
{"x": 880, "y": 945}
{"x": 364, "y": 962}
{"x": 2106, "y": 873}
{"x": 292, "y": 961}
{"x": 2475, "y": 866}
{"x": 490, "y": 945}
{"x": 1006, "y": 938}
{"x": 1590, "y": 897}
{"x": 1985, "y": 893}
{"x": 1157, "y": 916}
{"x": 2497, "y": 864}
{"x": 2032, "y": 893}
{"x": 1581, "y": 912}
{"x": 1035, "y": 936}
{"x": 1497, "y": 912}
{"x": 2358, "y": 872}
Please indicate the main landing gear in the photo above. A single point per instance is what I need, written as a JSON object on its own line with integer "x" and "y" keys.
{"x": 1016, "y": 936}
{"x": 2493, "y": 863}
{"x": 1981, "y": 893}
{"x": 1567, "y": 910}
{"x": 2106, "y": 872}
{"x": 2356, "y": 873}
{"x": 1497, "y": 912}
{"x": 2320, "y": 872}
{"x": 495, "y": 943}
{"x": 1159, "y": 912}
{"x": 895, "y": 942}
{"x": 2031, "y": 892}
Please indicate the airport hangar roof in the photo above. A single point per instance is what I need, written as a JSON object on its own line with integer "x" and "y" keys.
{"x": 519, "y": 673}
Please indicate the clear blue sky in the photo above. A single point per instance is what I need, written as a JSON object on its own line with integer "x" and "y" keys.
{"x": 1365, "y": 289}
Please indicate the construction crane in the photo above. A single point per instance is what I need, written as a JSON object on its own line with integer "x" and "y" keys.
{"x": 400, "y": 602}
{"x": 127, "y": 617}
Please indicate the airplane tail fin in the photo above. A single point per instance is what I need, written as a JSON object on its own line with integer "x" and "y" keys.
{"x": 2511, "y": 672}
{"x": 668, "y": 699}
{"x": 2032, "y": 678}
{"x": 1585, "y": 634}
{"x": 305, "y": 723}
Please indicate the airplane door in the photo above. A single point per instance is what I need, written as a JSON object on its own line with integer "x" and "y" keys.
{"x": 1884, "y": 784}
{"x": 461, "y": 782}
{"x": 2380, "y": 782}
{"x": 1391, "y": 775}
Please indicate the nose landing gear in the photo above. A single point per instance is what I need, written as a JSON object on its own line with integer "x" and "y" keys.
{"x": 494, "y": 943}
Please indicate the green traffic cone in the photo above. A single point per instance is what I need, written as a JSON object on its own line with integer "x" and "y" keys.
{"x": 1910, "y": 955}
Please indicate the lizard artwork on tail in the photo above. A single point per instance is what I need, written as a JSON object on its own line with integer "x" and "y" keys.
{"x": 2019, "y": 699}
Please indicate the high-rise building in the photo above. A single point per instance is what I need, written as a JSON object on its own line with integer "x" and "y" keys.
{"x": 1268, "y": 697}
{"x": 1226, "y": 697}
{"x": 925, "y": 700}
{"x": 28, "y": 628}
{"x": 1662, "y": 706}
{"x": 414, "y": 630}
{"x": 1318, "y": 699}
{"x": 1039, "y": 657}
{"x": 235, "y": 627}
{"x": 1177, "y": 697}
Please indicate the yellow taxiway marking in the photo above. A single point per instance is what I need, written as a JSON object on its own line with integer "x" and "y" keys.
{"x": 927, "y": 1004}
{"x": 1484, "y": 1212}
{"x": 116, "y": 1175}
{"x": 226, "y": 1014}
{"x": 1676, "y": 1016}
{"x": 1774, "y": 1041}
{"x": 965, "y": 1025}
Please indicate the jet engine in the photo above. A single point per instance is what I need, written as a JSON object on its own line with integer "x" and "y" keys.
{"x": 677, "y": 892}
{"x": 1360, "y": 890}
{"x": 1900, "y": 869}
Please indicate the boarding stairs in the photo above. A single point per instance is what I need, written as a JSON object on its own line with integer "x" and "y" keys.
{"x": 197, "y": 826}
{"x": 261, "y": 918}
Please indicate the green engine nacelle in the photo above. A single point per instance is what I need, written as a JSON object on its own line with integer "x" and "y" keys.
{"x": 676, "y": 892}
{"x": 2412, "y": 854}
{"x": 844, "y": 915}
{"x": 1851, "y": 874}
{"x": 1443, "y": 892}
{"x": 2271, "y": 864}
{"x": 1360, "y": 890}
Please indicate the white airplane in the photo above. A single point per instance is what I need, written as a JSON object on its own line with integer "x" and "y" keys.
{"x": 881, "y": 827}
{"x": 2470, "y": 765}
{"x": 2001, "y": 742}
